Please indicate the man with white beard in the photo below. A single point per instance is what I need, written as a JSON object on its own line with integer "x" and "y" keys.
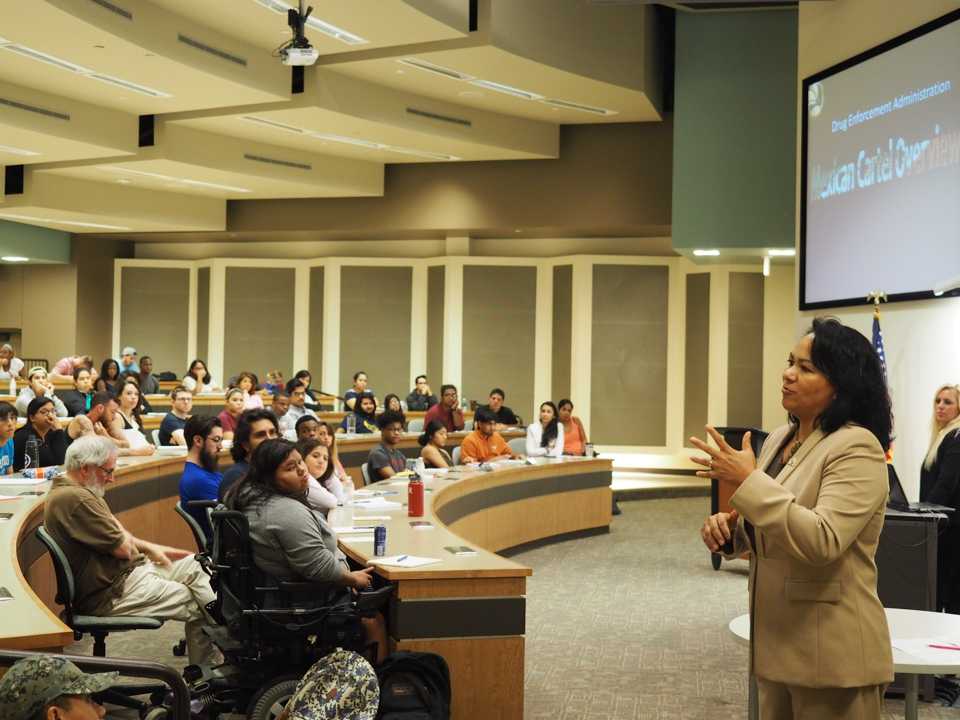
{"x": 117, "y": 574}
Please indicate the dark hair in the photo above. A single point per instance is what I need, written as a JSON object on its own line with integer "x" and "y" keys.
{"x": 444, "y": 388}
{"x": 565, "y": 401}
{"x": 363, "y": 396}
{"x": 305, "y": 447}
{"x": 852, "y": 367}
{"x": 105, "y": 368}
{"x": 281, "y": 394}
{"x": 251, "y": 376}
{"x": 550, "y": 431}
{"x": 179, "y": 389}
{"x": 417, "y": 379}
{"x": 429, "y": 431}
{"x": 206, "y": 376}
{"x": 7, "y": 411}
{"x": 144, "y": 359}
{"x": 200, "y": 426}
{"x": 388, "y": 417}
{"x": 129, "y": 376}
{"x": 357, "y": 374}
{"x": 101, "y": 398}
{"x": 79, "y": 369}
{"x": 332, "y": 432}
{"x": 36, "y": 404}
{"x": 303, "y": 420}
{"x": 118, "y": 391}
{"x": 259, "y": 484}
{"x": 298, "y": 379}
{"x": 241, "y": 435}
{"x": 500, "y": 392}
{"x": 388, "y": 398}
{"x": 484, "y": 415}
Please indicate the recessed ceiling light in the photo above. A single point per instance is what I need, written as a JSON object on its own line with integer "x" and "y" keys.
{"x": 14, "y": 258}
{"x": 766, "y": 266}
{"x": 49, "y": 221}
{"x": 782, "y": 252}
{"x": 706, "y": 253}
{"x": 62, "y": 64}
{"x": 435, "y": 69}
{"x": 567, "y": 105}
{"x": 124, "y": 181}
{"x": 174, "y": 181}
{"x": 272, "y": 123}
{"x": 17, "y": 151}
{"x": 506, "y": 89}
{"x": 331, "y": 31}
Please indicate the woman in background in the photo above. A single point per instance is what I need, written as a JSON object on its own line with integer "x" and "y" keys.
{"x": 198, "y": 380}
{"x": 391, "y": 403}
{"x": 248, "y": 382}
{"x": 545, "y": 438}
{"x": 940, "y": 484}
{"x": 433, "y": 440}
{"x": 338, "y": 482}
{"x": 574, "y": 436}
{"x": 109, "y": 377}
{"x": 304, "y": 378}
{"x": 10, "y": 365}
{"x": 232, "y": 410}
{"x": 129, "y": 400}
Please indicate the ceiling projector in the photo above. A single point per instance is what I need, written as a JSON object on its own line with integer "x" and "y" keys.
{"x": 298, "y": 51}
{"x": 292, "y": 55}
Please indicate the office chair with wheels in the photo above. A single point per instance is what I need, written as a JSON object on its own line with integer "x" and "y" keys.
{"x": 199, "y": 536}
{"x": 365, "y": 472}
{"x": 456, "y": 455}
{"x": 518, "y": 445}
{"x": 155, "y": 434}
{"x": 468, "y": 425}
{"x": 415, "y": 425}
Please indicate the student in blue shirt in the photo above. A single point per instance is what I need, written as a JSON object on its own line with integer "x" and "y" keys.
{"x": 201, "y": 479}
{"x": 8, "y": 426}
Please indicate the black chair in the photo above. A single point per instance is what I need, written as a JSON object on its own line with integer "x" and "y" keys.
{"x": 96, "y": 625}
{"x": 199, "y": 536}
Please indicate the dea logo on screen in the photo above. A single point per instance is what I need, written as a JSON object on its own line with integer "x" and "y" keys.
{"x": 815, "y": 99}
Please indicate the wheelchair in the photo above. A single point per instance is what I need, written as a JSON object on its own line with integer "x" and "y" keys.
{"x": 270, "y": 632}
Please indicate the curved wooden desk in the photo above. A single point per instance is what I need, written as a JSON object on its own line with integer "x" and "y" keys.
{"x": 470, "y": 609}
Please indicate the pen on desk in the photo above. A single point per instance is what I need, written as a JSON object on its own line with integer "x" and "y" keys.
{"x": 944, "y": 647}
{"x": 404, "y": 557}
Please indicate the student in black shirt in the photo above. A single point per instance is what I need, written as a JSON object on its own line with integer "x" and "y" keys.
{"x": 42, "y": 423}
{"x": 504, "y": 415}
{"x": 421, "y": 398}
{"x": 80, "y": 399}
{"x": 386, "y": 460}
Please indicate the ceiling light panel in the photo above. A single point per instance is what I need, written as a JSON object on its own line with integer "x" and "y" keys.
{"x": 62, "y": 64}
{"x": 506, "y": 89}
{"x": 435, "y": 69}
{"x": 176, "y": 180}
{"x": 17, "y": 151}
{"x": 71, "y": 223}
{"x": 328, "y": 29}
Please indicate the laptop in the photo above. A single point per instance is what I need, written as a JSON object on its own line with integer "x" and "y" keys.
{"x": 898, "y": 499}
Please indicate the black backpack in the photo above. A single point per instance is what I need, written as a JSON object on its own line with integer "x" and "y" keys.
{"x": 414, "y": 686}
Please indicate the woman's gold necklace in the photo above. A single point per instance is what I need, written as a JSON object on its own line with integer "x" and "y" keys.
{"x": 796, "y": 446}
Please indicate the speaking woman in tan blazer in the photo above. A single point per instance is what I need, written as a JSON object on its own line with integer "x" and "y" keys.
{"x": 810, "y": 511}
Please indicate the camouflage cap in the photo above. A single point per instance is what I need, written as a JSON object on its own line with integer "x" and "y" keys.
{"x": 35, "y": 681}
{"x": 339, "y": 686}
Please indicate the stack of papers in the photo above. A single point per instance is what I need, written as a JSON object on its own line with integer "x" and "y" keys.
{"x": 407, "y": 561}
{"x": 375, "y": 503}
{"x": 17, "y": 480}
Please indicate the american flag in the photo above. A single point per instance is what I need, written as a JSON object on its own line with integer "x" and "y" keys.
{"x": 878, "y": 340}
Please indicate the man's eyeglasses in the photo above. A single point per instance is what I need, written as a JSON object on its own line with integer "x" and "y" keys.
{"x": 106, "y": 471}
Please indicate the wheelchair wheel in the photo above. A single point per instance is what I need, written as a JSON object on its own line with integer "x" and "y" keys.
{"x": 269, "y": 701}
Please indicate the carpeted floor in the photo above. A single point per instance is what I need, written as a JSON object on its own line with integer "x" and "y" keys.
{"x": 630, "y": 625}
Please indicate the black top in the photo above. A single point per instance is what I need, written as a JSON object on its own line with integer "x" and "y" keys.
{"x": 230, "y": 476}
{"x": 504, "y": 416}
{"x": 416, "y": 401}
{"x": 77, "y": 403}
{"x": 941, "y": 483}
{"x": 53, "y": 447}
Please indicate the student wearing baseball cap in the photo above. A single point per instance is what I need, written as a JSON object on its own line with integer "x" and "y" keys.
{"x": 128, "y": 360}
{"x": 52, "y": 688}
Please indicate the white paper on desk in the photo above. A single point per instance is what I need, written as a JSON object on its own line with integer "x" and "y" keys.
{"x": 348, "y": 529}
{"x": 135, "y": 438}
{"x": 9, "y": 497}
{"x": 409, "y": 561}
{"x": 375, "y": 503}
{"x": 358, "y": 518}
{"x": 920, "y": 649}
{"x": 15, "y": 480}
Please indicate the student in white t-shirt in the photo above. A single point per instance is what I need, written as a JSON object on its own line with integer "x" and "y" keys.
{"x": 10, "y": 366}
{"x": 8, "y": 425}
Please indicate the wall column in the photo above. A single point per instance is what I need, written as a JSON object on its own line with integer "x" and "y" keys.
{"x": 331, "y": 327}
{"x": 543, "y": 345}
{"x": 676, "y": 355}
{"x": 453, "y": 324}
{"x": 719, "y": 340}
{"x": 301, "y": 317}
{"x": 216, "y": 331}
{"x": 581, "y": 339}
{"x": 418, "y": 321}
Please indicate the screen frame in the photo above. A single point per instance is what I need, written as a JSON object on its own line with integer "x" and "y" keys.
{"x": 893, "y": 43}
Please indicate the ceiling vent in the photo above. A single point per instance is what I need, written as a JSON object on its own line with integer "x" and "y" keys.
{"x": 435, "y": 69}
{"x": 115, "y": 9}
{"x": 34, "y": 109}
{"x": 43, "y": 57}
{"x": 276, "y": 161}
{"x": 210, "y": 50}
{"x": 442, "y": 118}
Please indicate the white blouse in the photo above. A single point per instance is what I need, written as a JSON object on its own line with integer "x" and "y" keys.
{"x": 318, "y": 497}
{"x": 190, "y": 383}
{"x": 534, "y": 437}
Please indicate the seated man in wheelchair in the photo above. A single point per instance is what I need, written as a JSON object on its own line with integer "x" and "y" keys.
{"x": 291, "y": 541}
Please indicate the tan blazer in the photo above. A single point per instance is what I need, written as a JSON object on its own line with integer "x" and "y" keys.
{"x": 816, "y": 620}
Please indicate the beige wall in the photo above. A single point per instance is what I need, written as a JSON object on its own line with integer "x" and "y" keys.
{"x": 316, "y": 325}
{"x": 779, "y": 336}
{"x": 203, "y": 315}
{"x": 436, "y": 285}
{"x": 258, "y": 323}
{"x": 93, "y": 258}
{"x": 154, "y": 315}
{"x": 745, "y": 350}
{"x": 41, "y": 300}
{"x": 922, "y": 345}
{"x": 629, "y": 368}
{"x": 562, "y": 331}
{"x": 499, "y": 323}
{"x": 375, "y": 327}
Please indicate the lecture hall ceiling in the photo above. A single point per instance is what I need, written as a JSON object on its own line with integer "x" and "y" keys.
{"x": 398, "y": 81}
